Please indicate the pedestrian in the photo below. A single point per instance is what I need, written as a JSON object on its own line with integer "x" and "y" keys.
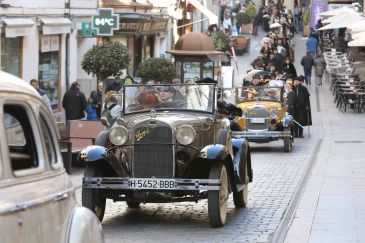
{"x": 307, "y": 62}
{"x": 98, "y": 98}
{"x": 41, "y": 92}
{"x": 74, "y": 102}
{"x": 319, "y": 66}
{"x": 227, "y": 25}
{"x": 289, "y": 68}
{"x": 91, "y": 108}
{"x": 290, "y": 96}
{"x": 116, "y": 85}
{"x": 302, "y": 109}
{"x": 312, "y": 45}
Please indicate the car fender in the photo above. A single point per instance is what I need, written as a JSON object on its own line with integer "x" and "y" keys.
{"x": 220, "y": 152}
{"x": 103, "y": 157}
{"x": 288, "y": 120}
{"x": 85, "y": 227}
{"x": 240, "y": 146}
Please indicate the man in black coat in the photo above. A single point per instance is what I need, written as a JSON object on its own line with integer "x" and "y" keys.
{"x": 302, "y": 108}
{"x": 116, "y": 85}
{"x": 98, "y": 98}
{"x": 74, "y": 102}
{"x": 307, "y": 62}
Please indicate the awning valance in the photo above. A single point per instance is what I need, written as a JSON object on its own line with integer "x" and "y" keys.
{"x": 52, "y": 26}
{"x": 17, "y": 27}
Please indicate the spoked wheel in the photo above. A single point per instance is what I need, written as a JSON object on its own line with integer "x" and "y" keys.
{"x": 288, "y": 142}
{"x": 91, "y": 198}
{"x": 240, "y": 199}
{"x": 217, "y": 200}
{"x": 133, "y": 204}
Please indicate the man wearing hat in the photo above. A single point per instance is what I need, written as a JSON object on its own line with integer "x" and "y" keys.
{"x": 302, "y": 109}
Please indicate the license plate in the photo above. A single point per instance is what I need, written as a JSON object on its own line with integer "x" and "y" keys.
{"x": 150, "y": 183}
{"x": 257, "y": 120}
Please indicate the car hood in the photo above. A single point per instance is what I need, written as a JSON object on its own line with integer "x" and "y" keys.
{"x": 269, "y": 105}
{"x": 174, "y": 119}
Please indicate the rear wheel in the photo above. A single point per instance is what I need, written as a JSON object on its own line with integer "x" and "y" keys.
{"x": 288, "y": 142}
{"x": 92, "y": 198}
{"x": 217, "y": 200}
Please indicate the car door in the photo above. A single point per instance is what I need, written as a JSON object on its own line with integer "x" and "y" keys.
{"x": 34, "y": 181}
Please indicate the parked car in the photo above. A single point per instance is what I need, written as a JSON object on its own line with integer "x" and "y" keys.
{"x": 164, "y": 150}
{"x": 264, "y": 116}
{"x": 37, "y": 201}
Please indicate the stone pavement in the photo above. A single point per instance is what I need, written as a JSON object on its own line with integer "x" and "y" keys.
{"x": 332, "y": 206}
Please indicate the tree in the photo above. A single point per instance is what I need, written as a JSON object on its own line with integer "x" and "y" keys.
{"x": 158, "y": 69}
{"x": 220, "y": 40}
{"x": 106, "y": 59}
{"x": 251, "y": 10}
{"x": 306, "y": 17}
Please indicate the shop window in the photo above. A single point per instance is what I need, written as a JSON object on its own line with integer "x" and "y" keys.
{"x": 49, "y": 67}
{"x": 11, "y": 55}
{"x": 208, "y": 70}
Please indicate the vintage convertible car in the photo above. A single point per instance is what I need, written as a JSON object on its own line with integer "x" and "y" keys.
{"x": 37, "y": 201}
{"x": 172, "y": 150}
{"x": 264, "y": 117}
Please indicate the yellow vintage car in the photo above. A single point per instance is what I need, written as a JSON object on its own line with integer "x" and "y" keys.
{"x": 264, "y": 117}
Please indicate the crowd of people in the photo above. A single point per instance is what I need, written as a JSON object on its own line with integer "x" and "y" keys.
{"x": 276, "y": 60}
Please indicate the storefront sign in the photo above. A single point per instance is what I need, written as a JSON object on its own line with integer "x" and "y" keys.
{"x": 105, "y": 22}
{"x": 317, "y": 7}
{"x": 142, "y": 25}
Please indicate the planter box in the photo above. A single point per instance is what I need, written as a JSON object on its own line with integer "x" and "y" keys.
{"x": 306, "y": 30}
{"x": 247, "y": 29}
{"x": 241, "y": 44}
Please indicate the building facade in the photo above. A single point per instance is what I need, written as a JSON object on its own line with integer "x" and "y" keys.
{"x": 39, "y": 40}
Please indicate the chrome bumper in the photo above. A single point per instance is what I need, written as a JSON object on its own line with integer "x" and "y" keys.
{"x": 262, "y": 134}
{"x": 125, "y": 184}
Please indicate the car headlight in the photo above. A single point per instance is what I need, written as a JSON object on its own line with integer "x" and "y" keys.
{"x": 118, "y": 135}
{"x": 244, "y": 114}
{"x": 185, "y": 135}
{"x": 274, "y": 113}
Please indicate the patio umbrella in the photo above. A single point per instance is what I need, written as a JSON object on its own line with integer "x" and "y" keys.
{"x": 266, "y": 40}
{"x": 343, "y": 21}
{"x": 358, "y": 35}
{"x": 275, "y": 25}
{"x": 334, "y": 12}
{"x": 357, "y": 26}
{"x": 357, "y": 42}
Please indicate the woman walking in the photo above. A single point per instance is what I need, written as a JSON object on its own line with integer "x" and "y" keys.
{"x": 319, "y": 65}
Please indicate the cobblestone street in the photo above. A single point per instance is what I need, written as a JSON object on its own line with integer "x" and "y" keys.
{"x": 277, "y": 176}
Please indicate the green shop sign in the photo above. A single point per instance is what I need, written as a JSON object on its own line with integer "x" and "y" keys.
{"x": 105, "y": 22}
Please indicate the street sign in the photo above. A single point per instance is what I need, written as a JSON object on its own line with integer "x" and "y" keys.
{"x": 105, "y": 22}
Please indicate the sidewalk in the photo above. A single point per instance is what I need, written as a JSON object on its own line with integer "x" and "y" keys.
{"x": 332, "y": 206}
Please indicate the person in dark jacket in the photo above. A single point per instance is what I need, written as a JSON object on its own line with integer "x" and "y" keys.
{"x": 98, "y": 98}
{"x": 307, "y": 62}
{"x": 302, "y": 108}
{"x": 289, "y": 68}
{"x": 116, "y": 85}
{"x": 74, "y": 102}
{"x": 319, "y": 66}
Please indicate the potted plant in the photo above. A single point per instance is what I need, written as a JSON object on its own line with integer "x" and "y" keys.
{"x": 245, "y": 21}
{"x": 158, "y": 69}
{"x": 306, "y": 18}
{"x": 220, "y": 40}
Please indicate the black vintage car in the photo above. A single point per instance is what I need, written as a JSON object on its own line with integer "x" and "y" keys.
{"x": 170, "y": 149}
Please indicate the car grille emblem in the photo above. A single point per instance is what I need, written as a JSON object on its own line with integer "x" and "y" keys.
{"x": 141, "y": 133}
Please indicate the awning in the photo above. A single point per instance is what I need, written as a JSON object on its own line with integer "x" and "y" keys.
{"x": 213, "y": 19}
{"x": 18, "y": 27}
{"x": 53, "y": 26}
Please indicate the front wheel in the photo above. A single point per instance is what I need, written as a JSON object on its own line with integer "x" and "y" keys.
{"x": 92, "y": 198}
{"x": 240, "y": 198}
{"x": 217, "y": 200}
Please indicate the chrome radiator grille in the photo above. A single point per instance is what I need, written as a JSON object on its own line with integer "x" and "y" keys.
{"x": 262, "y": 121}
{"x": 153, "y": 151}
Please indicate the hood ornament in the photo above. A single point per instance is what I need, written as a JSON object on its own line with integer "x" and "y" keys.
{"x": 153, "y": 114}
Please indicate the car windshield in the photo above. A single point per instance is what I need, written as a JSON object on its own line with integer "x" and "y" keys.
{"x": 196, "y": 97}
{"x": 249, "y": 93}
